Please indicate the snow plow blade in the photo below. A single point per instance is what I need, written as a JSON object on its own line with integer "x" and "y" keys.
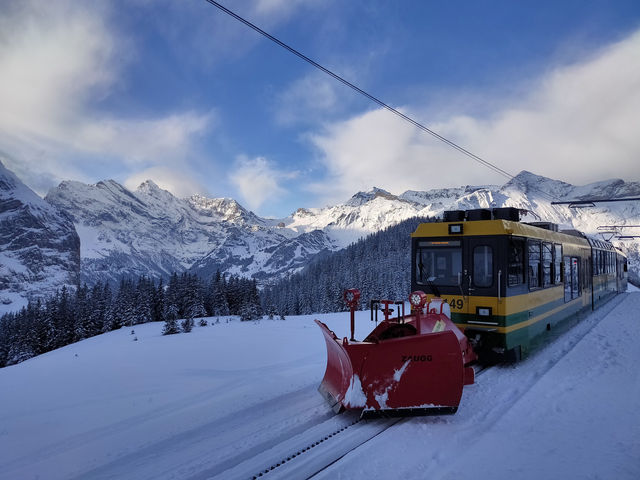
{"x": 414, "y": 374}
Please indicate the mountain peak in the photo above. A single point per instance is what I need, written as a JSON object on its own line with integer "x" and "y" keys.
{"x": 525, "y": 177}
{"x": 151, "y": 189}
{"x": 8, "y": 181}
{"x": 148, "y": 186}
{"x": 361, "y": 198}
{"x": 226, "y": 208}
{"x": 537, "y": 185}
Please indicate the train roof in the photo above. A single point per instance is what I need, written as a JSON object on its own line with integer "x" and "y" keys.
{"x": 599, "y": 243}
{"x": 498, "y": 227}
{"x": 505, "y": 221}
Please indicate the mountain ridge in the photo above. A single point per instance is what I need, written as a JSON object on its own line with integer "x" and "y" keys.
{"x": 39, "y": 246}
{"x": 149, "y": 231}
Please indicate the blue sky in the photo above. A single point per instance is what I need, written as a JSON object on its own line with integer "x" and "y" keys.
{"x": 181, "y": 93}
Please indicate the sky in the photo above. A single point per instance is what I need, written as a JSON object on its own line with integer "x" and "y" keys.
{"x": 185, "y": 95}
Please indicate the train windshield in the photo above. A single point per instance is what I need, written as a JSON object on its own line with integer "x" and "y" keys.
{"x": 439, "y": 262}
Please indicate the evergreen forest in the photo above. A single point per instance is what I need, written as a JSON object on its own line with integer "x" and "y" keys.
{"x": 378, "y": 265}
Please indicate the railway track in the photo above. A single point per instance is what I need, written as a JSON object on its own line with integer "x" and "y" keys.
{"x": 308, "y": 452}
{"x": 312, "y": 451}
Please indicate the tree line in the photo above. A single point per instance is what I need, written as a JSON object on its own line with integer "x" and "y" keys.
{"x": 379, "y": 265}
{"x": 72, "y": 315}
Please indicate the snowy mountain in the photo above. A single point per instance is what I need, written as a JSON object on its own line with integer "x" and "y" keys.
{"x": 371, "y": 211}
{"x": 39, "y": 247}
{"x": 532, "y": 192}
{"x": 151, "y": 232}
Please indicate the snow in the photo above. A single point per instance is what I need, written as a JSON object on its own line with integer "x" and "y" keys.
{"x": 397, "y": 374}
{"x": 194, "y": 405}
{"x": 354, "y": 396}
{"x": 11, "y": 301}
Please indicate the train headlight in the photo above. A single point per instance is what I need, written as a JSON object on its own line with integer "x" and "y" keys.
{"x": 484, "y": 311}
{"x": 418, "y": 299}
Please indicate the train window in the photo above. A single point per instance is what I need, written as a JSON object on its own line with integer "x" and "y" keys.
{"x": 599, "y": 261}
{"x": 483, "y": 266}
{"x": 557, "y": 264}
{"x": 567, "y": 279}
{"x": 547, "y": 263}
{"x": 594, "y": 261}
{"x": 575, "y": 277}
{"x": 516, "y": 262}
{"x": 618, "y": 268}
{"x": 534, "y": 264}
{"x": 442, "y": 263}
{"x": 612, "y": 263}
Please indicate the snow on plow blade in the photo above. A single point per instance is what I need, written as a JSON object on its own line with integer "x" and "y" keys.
{"x": 415, "y": 374}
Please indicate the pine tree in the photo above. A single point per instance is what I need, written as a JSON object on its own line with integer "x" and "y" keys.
{"x": 157, "y": 303}
{"x": 82, "y": 325}
{"x": 187, "y": 325}
{"x": 171, "y": 321}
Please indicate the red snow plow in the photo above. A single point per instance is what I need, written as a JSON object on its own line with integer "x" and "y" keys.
{"x": 414, "y": 364}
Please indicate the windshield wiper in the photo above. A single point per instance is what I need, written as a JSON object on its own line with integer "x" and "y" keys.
{"x": 434, "y": 289}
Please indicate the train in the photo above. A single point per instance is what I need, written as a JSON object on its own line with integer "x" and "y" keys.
{"x": 486, "y": 288}
{"x": 509, "y": 282}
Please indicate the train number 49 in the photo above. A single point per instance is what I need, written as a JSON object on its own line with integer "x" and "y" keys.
{"x": 456, "y": 303}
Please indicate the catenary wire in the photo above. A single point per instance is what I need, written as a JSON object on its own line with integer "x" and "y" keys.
{"x": 374, "y": 99}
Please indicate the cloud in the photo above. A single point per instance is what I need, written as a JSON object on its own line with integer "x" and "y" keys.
{"x": 306, "y": 99}
{"x": 143, "y": 140}
{"x": 178, "y": 181}
{"x": 57, "y": 61}
{"x": 280, "y": 10}
{"x": 52, "y": 57}
{"x": 577, "y": 122}
{"x": 257, "y": 180}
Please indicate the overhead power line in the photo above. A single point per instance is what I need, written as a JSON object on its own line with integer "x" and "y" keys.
{"x": 613, "y": 227}
{"x": 590, "y": 202}
{"x": 374, "y": 99}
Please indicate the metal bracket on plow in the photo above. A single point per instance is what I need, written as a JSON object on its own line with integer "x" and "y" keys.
{"x": 383, "y": 305}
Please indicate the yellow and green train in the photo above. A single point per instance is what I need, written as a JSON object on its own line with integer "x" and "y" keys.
{"x": 510, "y": 283}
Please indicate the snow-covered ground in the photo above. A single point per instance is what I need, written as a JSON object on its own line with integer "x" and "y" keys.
{"x": 195, "y": 405}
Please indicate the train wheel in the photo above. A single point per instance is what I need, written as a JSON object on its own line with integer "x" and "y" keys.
{"x": 513, "y": 355}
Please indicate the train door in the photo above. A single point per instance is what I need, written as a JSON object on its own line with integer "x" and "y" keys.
{"x": 483, "y": 275}
{"x": 572, "y": 284}
{"x": 619, "y": 273}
